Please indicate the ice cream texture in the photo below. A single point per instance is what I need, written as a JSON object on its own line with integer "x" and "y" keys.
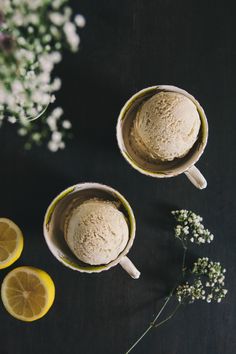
{"x": 166, "y": 126}
{"x": 96, "y": 231}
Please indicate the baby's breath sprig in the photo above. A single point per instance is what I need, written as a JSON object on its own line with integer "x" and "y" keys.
{"x": 208, "y": 283}
{"x": 190, "y": 228}
{"x": 32, "y": 37}
{"x": 207, "y": 276}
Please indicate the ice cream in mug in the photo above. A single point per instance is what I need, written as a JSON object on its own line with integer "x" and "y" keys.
{"x": 166, "y": 126}
{"x": 96, "y": 231}
{"x": 162, "y": 131}
{"x": 90, "y": 227}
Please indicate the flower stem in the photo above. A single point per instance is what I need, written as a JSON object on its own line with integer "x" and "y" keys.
{"x": 169, "y": 317}
{"x": 184, "y": 256}
{"x": 152, "y": 324}
{"x": 183, "y": 261}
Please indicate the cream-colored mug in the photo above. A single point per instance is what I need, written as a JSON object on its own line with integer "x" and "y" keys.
{"x": 63, "y": 205}
{"x": 161, "y": 169}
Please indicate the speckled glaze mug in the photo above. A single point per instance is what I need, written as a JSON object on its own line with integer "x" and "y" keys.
{"x": 62, "y": 206}
{"x": 161, "y": 169}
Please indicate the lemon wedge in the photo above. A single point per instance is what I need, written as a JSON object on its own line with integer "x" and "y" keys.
{"x": 27, "y": 293}
{"x": 11, "y": 242}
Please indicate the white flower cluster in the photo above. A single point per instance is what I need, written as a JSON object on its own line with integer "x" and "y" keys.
{"x": 32, "y": 35}
{"x": 208, "y": 284}
{"x": 187, "y": 293}
{"x": 190, "y": 227}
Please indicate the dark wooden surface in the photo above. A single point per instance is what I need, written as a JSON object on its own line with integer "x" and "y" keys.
{"x": 126, "y": 46}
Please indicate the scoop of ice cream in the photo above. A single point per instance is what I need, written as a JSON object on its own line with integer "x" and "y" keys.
{"x": 166, "y": 126}
{"x": 96, "y": 232}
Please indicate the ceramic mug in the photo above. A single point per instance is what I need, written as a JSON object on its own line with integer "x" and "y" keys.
{"x": 63, "y": 205}
{"x": 161, "y": 169}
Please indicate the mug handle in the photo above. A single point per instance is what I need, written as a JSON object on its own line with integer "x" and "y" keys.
{"x": 195, "y": 176}
{"x": 129, "y": 267}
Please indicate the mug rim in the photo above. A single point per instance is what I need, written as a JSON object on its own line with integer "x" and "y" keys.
{"x": 71, "y": 264}
{"x": 120, "y": 140}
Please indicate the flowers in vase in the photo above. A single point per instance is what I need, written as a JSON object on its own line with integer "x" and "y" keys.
{"x": 32, "y": 36}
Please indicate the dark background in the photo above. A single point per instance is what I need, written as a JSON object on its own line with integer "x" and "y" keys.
{"x": 126, "y": 46}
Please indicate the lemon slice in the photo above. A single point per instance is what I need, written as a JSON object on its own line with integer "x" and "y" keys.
{"x": 11, "y": 242}
{"x": 27, "y": 293}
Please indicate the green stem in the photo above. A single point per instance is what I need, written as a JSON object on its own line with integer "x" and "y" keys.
{"x": 152, "y": 324}
{"x": 140, "y": 338}
{"x": 184, "y": 260}
{"x": 169, "y": 317}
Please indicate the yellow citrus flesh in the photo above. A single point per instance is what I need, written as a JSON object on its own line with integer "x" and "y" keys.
{"x": 11, "y": 242}
{"x": 27, "y": 293}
